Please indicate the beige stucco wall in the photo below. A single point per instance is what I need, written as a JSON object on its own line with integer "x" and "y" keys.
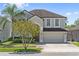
{"x": 39, "y": 22}
{"x": 62, "y": 23}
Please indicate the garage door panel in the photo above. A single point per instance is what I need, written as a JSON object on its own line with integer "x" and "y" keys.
{"x": 53, "y": 37}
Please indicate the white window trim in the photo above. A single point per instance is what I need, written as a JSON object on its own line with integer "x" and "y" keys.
{"x": 54, "y": 23}
{"x": 50, "y": 23}
{"x": 65, "y": 37}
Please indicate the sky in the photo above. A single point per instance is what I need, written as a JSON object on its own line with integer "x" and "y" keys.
{"x": 70, "y": 10}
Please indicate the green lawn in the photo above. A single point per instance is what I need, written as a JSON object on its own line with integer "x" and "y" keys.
{"x": 76, "y": 43}
{"x": 18, "y": 49}
{"x": 12, "y": 47}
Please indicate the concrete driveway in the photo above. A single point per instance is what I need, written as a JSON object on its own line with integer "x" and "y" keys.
{"x": 49, "y": 48}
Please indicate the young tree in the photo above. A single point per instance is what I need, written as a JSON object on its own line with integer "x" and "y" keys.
{"x": 26, "y": 30}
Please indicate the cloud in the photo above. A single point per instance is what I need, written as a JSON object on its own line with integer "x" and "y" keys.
{"x": 21, "y": 5}
{"x": 76, "y": 12}
{"x": 72, "y": 13}
{"x": 68, "y": 13}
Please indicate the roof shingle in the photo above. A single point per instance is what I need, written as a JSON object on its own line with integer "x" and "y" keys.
{"x": 45, "y": 14}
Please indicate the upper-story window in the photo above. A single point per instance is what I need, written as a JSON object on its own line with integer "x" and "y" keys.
{"x": 48, "y": 22}
{"x": 56, "y": 22}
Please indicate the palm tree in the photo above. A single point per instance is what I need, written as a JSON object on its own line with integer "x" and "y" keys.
{"x": 11, "y": 10}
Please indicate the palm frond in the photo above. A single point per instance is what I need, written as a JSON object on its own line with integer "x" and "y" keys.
{"x": 4, "y": 24}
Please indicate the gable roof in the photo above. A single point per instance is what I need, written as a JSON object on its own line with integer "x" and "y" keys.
{"x": 24, "y": 14}
{"x": 45, "y": 14}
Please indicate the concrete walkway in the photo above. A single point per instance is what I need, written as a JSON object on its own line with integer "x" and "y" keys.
{"x": 60, "y": 48}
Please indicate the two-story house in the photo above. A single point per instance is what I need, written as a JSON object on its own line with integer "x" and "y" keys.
{"x": 51, "y": 24}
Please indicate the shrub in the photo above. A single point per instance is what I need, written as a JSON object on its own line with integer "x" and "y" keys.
{"x": 29, "y": 50}
{"x": 17, "y": 41}
{"x": 9, "y": 39}
{"x": 0, "y": 41}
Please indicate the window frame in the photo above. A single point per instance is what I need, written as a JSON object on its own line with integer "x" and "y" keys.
{"x": 48, "y": 22}
{"x": 55, "y": 22}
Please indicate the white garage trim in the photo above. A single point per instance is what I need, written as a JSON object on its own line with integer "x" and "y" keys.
{"x": 65, "y": 37}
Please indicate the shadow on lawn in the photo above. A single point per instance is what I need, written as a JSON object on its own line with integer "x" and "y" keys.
{"x": 24, "y": 52}
{"x": 53, "y": 43}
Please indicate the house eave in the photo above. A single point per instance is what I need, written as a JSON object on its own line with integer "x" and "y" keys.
{"x": 54, "y": 29}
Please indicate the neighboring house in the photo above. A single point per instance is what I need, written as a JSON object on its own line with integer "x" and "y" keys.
{"x": 73, "y": 33}
{"x": 51, "y": 24}
{"x": 5, "y": 33}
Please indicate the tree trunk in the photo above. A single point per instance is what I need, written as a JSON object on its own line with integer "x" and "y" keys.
{"x": 23, "y": 41}
{"x": 29, "y": 43}
{"x": 25, "y": 45}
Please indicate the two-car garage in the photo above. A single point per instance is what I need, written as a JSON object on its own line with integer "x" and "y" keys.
{"x": 54, "y": 37}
